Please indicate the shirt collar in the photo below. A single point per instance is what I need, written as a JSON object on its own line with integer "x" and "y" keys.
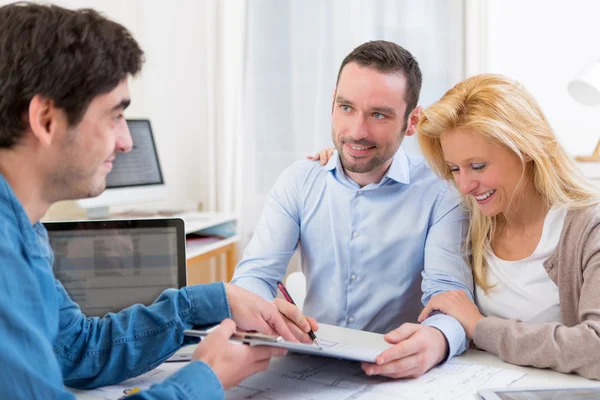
{"x": 399, "y": 170}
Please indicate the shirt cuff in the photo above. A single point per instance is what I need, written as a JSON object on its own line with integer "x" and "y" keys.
{"x": 452, "y": 330}
{"x": 209, "y": 303}
{"x": 195, "y": 380}
{"x": 256, "y": 286}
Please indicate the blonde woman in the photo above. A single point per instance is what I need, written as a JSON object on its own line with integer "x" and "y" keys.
{"x": 534, "y": 227}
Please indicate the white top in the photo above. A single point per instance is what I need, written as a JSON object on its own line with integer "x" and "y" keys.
{"x": 523, "y": 288}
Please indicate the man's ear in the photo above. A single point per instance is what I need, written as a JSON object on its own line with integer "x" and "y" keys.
{"x": 44, "y": 119}
{"x": 413, "y": 118}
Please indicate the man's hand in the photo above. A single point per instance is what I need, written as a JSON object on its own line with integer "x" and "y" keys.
{"x": 253, "y": 313}
{"x": 322, "y": 156}
{"x": 417, "y": 348}
{"x": 298, "y": 323}
{"x": 233, "y": 362}
{"x": 456, "y": 304}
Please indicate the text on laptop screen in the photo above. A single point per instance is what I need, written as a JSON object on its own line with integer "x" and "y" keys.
{"x": 106, "y": 270}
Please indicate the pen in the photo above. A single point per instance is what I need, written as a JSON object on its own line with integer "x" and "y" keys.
{"x": 287, "y": 296}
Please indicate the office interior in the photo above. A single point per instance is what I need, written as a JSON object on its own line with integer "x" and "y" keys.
{"x": 237, "y": 90}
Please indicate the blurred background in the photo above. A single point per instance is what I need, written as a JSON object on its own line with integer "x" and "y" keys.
{"x": 239, "y": 89}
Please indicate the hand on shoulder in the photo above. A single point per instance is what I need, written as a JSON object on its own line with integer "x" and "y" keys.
{"x": 322, "y": 156}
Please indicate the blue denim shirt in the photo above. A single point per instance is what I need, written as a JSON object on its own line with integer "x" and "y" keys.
{"x": 372, "y": 254}
{"x": 46, "y": 342}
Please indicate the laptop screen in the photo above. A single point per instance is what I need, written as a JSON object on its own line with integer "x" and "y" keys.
{"x": 106, "y": 266}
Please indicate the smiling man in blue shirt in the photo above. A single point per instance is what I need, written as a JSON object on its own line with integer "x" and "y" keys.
{"x": 378, "y": 232}
{"x": 63, "y": 89}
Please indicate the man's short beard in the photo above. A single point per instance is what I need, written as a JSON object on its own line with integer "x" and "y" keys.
{"x": 375, "y": 162}
{"x": 361, "y": 169}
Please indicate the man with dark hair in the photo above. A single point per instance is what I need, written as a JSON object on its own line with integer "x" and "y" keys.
{"x": 63, "y": 90}
{"x": 387, "y": 58}
{"x": 378, "y": 232}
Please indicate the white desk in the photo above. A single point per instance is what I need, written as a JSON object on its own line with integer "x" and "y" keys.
{"x": 534, "y": 377}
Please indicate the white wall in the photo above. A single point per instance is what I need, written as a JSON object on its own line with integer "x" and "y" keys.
{"x": 172, "y": 93}
{"x": 544, "y": 44}
{"x": 171, "y": 88}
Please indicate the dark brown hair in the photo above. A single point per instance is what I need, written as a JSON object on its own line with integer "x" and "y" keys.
{"x": 388, "y": 57}
{"x": 67, "y": 56}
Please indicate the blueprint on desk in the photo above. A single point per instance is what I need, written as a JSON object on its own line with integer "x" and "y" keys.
{"x": 302, "y": 377}
{"x": 122, "y": 389}
{"x": 305, "y": 377}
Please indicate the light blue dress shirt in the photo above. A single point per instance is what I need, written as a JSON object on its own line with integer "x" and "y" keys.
{"x": 46, "y": 342}
{"x": 371, "y": 255}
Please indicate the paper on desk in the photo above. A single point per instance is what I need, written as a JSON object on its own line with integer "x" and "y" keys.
{"x": 304, "y": 377}
{"x": 143, "y": 382}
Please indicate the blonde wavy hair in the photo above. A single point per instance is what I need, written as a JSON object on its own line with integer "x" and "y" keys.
{"x": 503, "y": 111}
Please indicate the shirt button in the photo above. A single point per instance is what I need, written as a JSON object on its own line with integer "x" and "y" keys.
{"x": 353, "y": 277}
{"x": 351, "y": 320}
{"x": 355, "y": 234}
{"x": 359, "y": 192}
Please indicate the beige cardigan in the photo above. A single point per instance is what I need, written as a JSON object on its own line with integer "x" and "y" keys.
{"x": 574, "y": 345}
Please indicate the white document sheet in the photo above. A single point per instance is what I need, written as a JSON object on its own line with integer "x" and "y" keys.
{"x": 334, "y": 350}
{"x": 143, "y": 382}
{"x": 302, "y": 377}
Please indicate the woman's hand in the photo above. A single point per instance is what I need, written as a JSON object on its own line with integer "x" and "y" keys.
{"x": 456, "y": 304}
{"x": 322, "y": 156}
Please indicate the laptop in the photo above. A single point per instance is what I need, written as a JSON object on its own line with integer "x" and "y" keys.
{"x": 106, "y": 266}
